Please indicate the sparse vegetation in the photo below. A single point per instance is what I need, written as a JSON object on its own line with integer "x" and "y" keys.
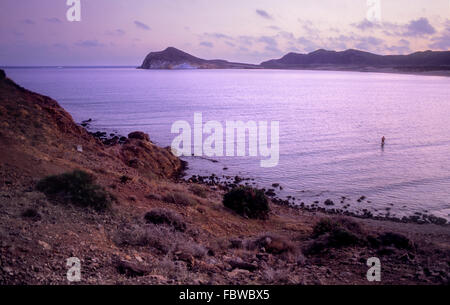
{"x": 31, "y": 214}
{"x": 78, "y": 188}
{"x": 192, "y": 249}
{"x": 248, "y": 202}
{"x": 198, "y": 190}
{"x": 397, "y": 240}
{"x": 180, "y": 198}
{"x": 160, "y": 238}
{"x": 335, "y": 233}
{"x": 273, "y": 244}
{"x": 166, "y": 217}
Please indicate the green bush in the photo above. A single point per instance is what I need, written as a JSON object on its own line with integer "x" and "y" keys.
{"x": 78, "y": 188}
{"x": 248, "y": 202}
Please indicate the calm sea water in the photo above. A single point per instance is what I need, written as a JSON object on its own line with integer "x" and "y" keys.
{"x": 331, "y": 124}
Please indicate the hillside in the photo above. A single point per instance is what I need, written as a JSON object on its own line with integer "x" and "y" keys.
{"x": 172, "y": 58}
{"x": 163, "y": 230}
{"x": 354, "y": 59}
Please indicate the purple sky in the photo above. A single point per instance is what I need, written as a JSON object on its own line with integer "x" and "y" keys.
{"x": 119, "y": 32}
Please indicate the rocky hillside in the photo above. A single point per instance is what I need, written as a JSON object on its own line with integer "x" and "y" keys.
{"x": 156, "y": 229}
{"x": 172, "y": 58}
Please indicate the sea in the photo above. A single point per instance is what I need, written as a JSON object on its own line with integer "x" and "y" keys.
{"x": 330, "y": 127}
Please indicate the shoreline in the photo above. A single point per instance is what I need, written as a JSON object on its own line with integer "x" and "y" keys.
{"x": 227, "y": 182}
{"x": 441, "y": 73}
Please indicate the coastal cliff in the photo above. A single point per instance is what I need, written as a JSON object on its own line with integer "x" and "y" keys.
{"x": 172, "y": 58}
{"x": 158, "y": 229}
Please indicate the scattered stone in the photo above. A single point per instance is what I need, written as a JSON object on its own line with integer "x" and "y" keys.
{"x": 329, "y": 202}
{"x": 44, "y": 245}
{"x": 235, "y": 264}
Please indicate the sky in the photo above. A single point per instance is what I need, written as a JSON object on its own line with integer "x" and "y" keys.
{"x": 122, "y": 32}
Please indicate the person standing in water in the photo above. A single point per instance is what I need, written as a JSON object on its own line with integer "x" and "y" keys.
{"x": 383, "y": 139}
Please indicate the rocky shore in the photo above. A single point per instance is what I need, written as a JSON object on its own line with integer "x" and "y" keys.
{"x": 138, "y": 222}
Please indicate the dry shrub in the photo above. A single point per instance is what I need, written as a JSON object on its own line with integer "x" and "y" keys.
{"x": 199, "y": 190}
{"x": 272, "y": 243}
{"x": 160, "y": 238}
{"x": 329, "y": 225}
{"x": 336, "y": 233}
{"x": 272, "y": 276}
{"x": 180, "y": 198}
{"x": 192, "y": 249}
{"x": 166, "y": 217}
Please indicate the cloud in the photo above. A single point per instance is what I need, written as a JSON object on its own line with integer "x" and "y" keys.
{"x": 28, "y": 21}
{"x": 142, "y": 26}
{"x": 230, "y": 44}
{"x": 59, "y": 45}
{"x": 89, "y": 44}
{"x": 368, "y": 43}
{"x": 419, "y": 27}
{"x": 264, "y": 14}
{"x": 270, "y": 41}
{"x": 274, "y": 27}
{"x": 398, "y": 49}
{"x": 53, "y": 20}
{"x": 247, "y": 40}
{"x": 117, "y": 32}
{"x": 17, "y": 33}
{"x": 271, "y": 44}
{"x": 442, "y": 41}
{"x": 309, "y": 28}
{"x": 207, "y": 44}
{"x": 366, "y": 24}
{"x": 218, "y": 36}
{"x": 307, "y": 45}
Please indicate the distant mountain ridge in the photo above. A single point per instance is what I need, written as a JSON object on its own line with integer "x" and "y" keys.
{"x": 353, "y": 57}
{"x": 172, "y": 58}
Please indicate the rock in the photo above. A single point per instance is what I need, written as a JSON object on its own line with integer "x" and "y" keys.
{"x": 185, "y": 257}
{"x": 238, "y": 272}
{"x": 139, "y": 135}
{"x": 44, "y": 245}
{"x": 154, "y": 197}
{"x": 159, "y": 278}
{"x": 236, "y": 243}
{"x": 235, "y": 264}
{"x": 387, "y": 251}
{"x": 138, "y": 258}
{"x": 131, "y": 269}
{"x": 329, "y": 202}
